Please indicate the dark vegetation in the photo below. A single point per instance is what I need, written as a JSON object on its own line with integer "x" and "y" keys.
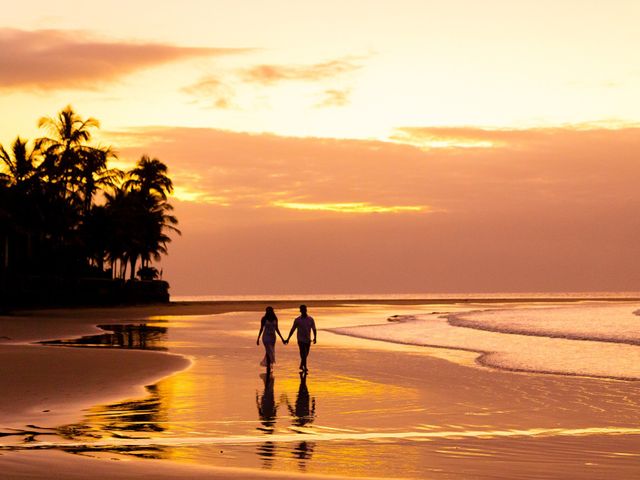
{"x": 73, "y": 230}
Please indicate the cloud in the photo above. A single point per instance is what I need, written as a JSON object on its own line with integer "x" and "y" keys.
{"x": 552, "y": 209}
{"x": 471, "y": 137}
{"x": 59, "y": 59}
{"x": 457, "y": 138}
{"x": 535, "y": 168}
{"x": 353, "y": 207}
{"x": 253, "y": 171}
{"x": 272, "y": 74}
{"x": 335, "y": 98}
{"x": 214, "y": 91}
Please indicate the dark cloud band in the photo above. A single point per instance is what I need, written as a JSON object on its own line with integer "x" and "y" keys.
{"x": 58, "y": 59}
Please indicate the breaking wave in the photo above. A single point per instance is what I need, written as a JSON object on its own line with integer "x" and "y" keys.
{"x": 588, "y": 339}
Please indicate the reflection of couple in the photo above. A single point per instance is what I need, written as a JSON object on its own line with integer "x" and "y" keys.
{"x": 304, "y": 324}
{"x": 303, "y": 413}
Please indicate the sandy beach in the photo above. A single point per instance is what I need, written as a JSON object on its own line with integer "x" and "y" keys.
{"x": 195, "y": 403}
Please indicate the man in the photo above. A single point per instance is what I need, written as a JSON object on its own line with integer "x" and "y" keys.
{"x": 304, "y": 324}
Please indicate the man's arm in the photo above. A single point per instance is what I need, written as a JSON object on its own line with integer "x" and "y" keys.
{"x": 293, "y": 329}
{"x": 315, "y": 333}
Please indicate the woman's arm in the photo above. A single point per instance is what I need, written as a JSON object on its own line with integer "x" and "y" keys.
{"x": 260, "y": 332}
{"x": 279, "y": 334}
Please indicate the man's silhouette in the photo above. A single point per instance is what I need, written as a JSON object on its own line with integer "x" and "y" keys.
{"x": 304, "y": 324}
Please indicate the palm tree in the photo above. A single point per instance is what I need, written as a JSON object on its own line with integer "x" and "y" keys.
{"x": 122, "y": 217}
{"x": 67, "y": 154}
{"x": 155, "y": 239}
{"x": 96, "y": 230}
{"x": 150, "y": 178}
{"x": 49, "y": 221}
{"x": 94, "y": 173}
{"x": 5, "y": 229}
{"x": 20, "y": 163}
{"x": 19, "y": 210}
{"x": 149, "y": 185}
{"x": 141, "y": 216}
{"x": 68, "y": 130}
{"x": 73, "y": 172}
{"x": 148, "y": 273}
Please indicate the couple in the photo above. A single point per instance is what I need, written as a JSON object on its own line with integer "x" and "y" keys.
{"x": 269, "y": 327}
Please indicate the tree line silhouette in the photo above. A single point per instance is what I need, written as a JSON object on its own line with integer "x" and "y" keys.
{"x": 64, "y": 212}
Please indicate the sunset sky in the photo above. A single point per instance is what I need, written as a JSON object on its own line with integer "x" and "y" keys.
{"x": 359, "y": 146}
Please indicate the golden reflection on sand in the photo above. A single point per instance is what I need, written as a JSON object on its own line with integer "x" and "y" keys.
{"x": 346, "y": 386}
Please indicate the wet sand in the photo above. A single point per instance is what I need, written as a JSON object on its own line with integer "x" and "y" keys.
{"x": 58, "y": 466}
{"x": 367, "y": 409}
{"x": 51, "y": 385}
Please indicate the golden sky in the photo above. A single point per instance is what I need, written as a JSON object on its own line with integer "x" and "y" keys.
{"x": 359, "y": 146}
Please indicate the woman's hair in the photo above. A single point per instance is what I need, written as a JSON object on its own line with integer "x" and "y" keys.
{"x": 270, "y": 315}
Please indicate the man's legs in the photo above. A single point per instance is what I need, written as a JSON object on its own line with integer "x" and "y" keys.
{"x": 304, "y": 348}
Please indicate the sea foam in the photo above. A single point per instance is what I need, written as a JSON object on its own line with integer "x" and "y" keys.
{"x": 590, "y": 339}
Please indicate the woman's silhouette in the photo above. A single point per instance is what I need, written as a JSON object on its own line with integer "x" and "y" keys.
{"x": 268, "y": 330}
{"x": 268, "y": 412}
{"x": 267, "y": 406}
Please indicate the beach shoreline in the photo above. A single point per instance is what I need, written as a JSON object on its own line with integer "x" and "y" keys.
{"x": 211, "y": 307}
{"x": 347, "y": 369}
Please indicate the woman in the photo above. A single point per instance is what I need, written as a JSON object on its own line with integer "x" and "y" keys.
{"x": 268, "y": 330}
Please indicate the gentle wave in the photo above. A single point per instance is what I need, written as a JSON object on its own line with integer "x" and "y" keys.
{"x": 603, "y": 323}
{"x": 306, "y": 435}
{"x": 596, "y": 340}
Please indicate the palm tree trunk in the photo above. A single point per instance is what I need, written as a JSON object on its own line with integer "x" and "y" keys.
{"x": 6, "y": 252}
{"x": 133, "y": 260}
{"x": 123, "y": 268}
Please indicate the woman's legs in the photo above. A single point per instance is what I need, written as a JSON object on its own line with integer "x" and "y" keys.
{"x": 269, "y": 354}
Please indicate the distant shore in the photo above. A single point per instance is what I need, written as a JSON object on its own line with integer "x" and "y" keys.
{"x": 204, "y": 307}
